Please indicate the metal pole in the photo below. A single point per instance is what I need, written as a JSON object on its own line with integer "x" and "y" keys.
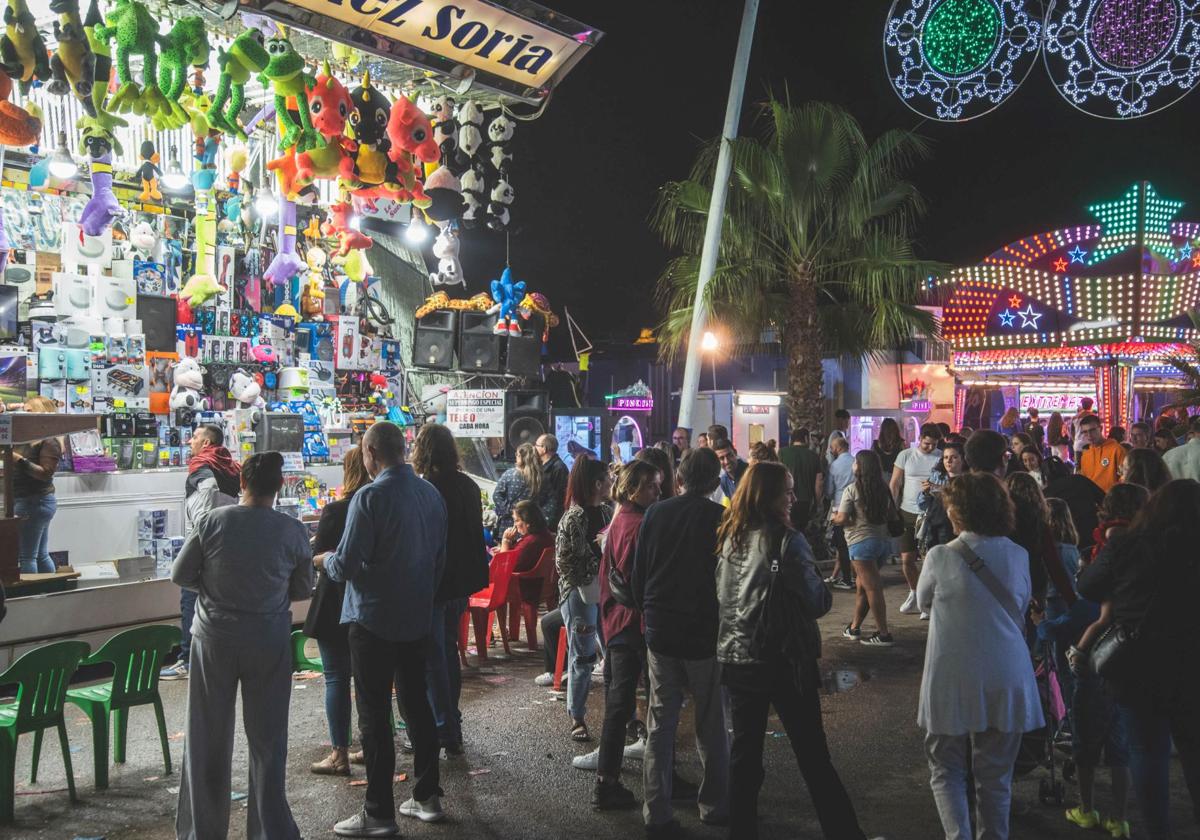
{"x": 716, "y": 214}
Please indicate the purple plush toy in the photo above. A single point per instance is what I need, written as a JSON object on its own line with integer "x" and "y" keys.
{"x": 287, "y": 263}
{"x": 102, "y": 207}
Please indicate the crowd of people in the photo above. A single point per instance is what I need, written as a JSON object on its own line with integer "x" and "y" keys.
{"x": 692, "y": 572}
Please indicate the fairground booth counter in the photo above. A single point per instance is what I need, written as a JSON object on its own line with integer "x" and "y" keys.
{"x": 1096, "y": 310}
{"x": 231, "y": 213}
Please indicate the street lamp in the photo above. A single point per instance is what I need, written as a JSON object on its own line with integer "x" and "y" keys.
{"x": 710, "y": 344}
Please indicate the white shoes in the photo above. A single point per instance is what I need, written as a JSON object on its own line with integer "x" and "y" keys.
{"x": 598, "y": 669}
{"x": 924, "y": 616}
{"x": 591, "y": 761}
{"x": 909, "y": 607}
{"x": 544, "y": 680}
{"x": 429, "y": 811}
{"x": 361, "y": 825}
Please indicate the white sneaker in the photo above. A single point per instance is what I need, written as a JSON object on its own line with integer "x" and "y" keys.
{"x": 429, "y": 811}
{"x": 587, "y": 761}
{"x": 544, "y": 680}
{"x": 598, "y": 669}
{"x": 636, "y": 750}
{"x": 361, "y": 825}
{"x": 909, "y": 607}
{"x": 924, "y": 616}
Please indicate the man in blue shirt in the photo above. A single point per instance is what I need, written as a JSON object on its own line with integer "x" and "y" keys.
{"x": 841, "y": 476}
{"x": 391, "y": 558}
{"x": 732, "y": 467}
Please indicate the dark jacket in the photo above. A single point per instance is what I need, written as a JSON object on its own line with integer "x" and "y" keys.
{"x": 466, "y": 569}
{"x": 553, "y": 496}
{"x": 1151, "y": 584}
{"x": 324, "y": 621}
{"x": 729, "y": 482}
{"x": 674, "y": 578}
{"x": 743, "y": 575}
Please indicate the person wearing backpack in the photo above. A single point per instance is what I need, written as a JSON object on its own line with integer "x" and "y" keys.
{"x": 768, "y": 644}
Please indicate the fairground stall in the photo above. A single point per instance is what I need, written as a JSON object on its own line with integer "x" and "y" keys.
{"x": 229, "y": 214}
{"x": 1095, "y": 310}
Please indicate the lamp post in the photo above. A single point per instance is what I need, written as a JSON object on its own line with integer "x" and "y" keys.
{"x": 709, "y": 344}
{"x": 716, "y": 214}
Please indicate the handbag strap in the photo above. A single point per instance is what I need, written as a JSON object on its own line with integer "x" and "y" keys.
{"x": 988, "y": 578}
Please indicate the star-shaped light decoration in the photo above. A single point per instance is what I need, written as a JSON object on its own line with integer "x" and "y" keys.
{"x": 1120, "y": 222}
{"x": 1077, "y": 254}
{"x": 1015, "y": 301}
{"x": 1185, "y": 251}
{"x": 1196, "y": 259}
{"x": 1029, "y": 318}
{"x": 1060, "y": 265}
{"x": 1007, "y": 317}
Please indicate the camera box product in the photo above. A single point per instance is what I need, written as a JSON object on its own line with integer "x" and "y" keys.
{"x": 150, "y": 277}
{"x": 151, "y": 523}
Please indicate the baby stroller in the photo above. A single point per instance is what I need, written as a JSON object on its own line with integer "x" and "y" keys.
{"x": 1038, "y": 746}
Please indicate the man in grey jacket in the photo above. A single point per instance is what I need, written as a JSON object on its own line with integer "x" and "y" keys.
{"x": 214, "y": 480}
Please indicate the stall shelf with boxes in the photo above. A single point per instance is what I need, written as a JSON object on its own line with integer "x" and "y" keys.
{"x": 231, "y": 218}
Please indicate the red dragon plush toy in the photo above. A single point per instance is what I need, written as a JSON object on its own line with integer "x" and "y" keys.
{"x": 338, "y": 227}
{"x": 329, "y": 107}
{"x": 410, "y": 136}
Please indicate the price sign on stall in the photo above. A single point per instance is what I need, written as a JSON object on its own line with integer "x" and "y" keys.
{"x": 475, "y": 413}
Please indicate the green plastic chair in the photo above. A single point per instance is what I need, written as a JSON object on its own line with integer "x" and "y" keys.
{"x": 301, "y": 661}
{"x": 136, "y": 656}
{"x": 41, "y": 676}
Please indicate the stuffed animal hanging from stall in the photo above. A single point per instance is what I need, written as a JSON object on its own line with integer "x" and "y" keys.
{"x": 445, "y": 250}
{"x": 246, "y": 56}
{"x": 102, "y": 208}
{"x": 22, "y": 48}
{"x": 470, "y": 136}
{"x": 287, "y": 263}
{"x": 149, "y": 173}
{"x": 506, "y": 294}
{"x": 410, "y": 138}
{"x": 73, "y": 64}
{"x": 101, "y": 68}
{"x": 185, "y": 45}
{"x": 338, "y": 227}
{"x": 136, "y": 32}
{"x": 18, "y": 127}
{"x": 329, "y": 107}
{"x": 286, "y": 73}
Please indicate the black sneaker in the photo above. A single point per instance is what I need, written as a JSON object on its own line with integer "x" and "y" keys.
{"x": 406, "y": 744}
{"x": 854, "y": 634}
{"x": 878, "y": 640}
{"x": 612, "y": 796}
{"x": 844, "y": 584}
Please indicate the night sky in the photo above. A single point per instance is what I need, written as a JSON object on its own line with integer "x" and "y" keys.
{"x": 632, "y": 114}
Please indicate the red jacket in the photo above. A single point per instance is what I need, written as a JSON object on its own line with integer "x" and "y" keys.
{"x": 619, "y": 544}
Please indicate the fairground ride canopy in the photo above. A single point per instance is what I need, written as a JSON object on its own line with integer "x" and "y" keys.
{"x": 1117, "y": 290}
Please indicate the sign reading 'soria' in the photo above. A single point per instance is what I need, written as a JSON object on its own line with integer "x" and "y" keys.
{"x": 479, "y": 34}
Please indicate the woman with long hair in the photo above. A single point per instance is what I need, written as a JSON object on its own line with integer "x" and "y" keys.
{"x": 866, "y": 507}
{"x": 888, "y": 446}
{"x": 625, "y": 648}
{"x": 521, "y": 482}
{"x": 978, "y": 693}
{"x": 1150, "y": 576}
{"x": 435, "y": 458}
{"x": 937, "y": 528}
{"x": 1145, "y": 467}
{"x": 1032, "y": 532}
{"x": 663, "y": 463}
{"x": 248, "y": 562}
{"x": 1057, "y": 442}
{"x": 758, "y": 551}
{"x": 1031, "y": 463}
{"x": 577, "y": 558}
{"x": 34, "y": 501}
{"x": 324, "y": 622}
{"x": 1010, "y": 422}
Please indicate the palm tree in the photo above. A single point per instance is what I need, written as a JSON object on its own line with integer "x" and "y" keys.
{"x": 816, "y": 244}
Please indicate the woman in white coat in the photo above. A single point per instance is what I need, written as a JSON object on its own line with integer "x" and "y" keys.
{"x": 978, "y": 694}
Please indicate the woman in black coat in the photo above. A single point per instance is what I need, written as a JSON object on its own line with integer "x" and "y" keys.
{"x": 324, "y": 622}
{"x": 435, "y": 458}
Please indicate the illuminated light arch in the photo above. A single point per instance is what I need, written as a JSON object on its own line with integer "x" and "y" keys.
{"x": 954, "y": 60}
{"x": 1120, "y": 59}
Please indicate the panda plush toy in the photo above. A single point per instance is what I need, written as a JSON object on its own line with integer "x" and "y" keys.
{"x": 445, "y": 127}
{"x": 500, "y": 133}
{"x": 497, "y": 209}
{"x": 474, "y": 193}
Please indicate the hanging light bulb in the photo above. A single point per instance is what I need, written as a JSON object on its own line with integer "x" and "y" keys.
{"x": 174, "y": 180}
{"x": 417, "y": 232}
{"x": 62, "y": 166}
{"x": 266, "y": 204}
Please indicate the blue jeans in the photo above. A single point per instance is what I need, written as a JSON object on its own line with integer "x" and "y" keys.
{"x": 33, "y": 555}
{"x": 335, "y": 662}
{"x": 875, "y": 548}
{"x": 580, "y": 620}
{"x": 187, "y": 614}
{"x": 1150, "y": 735}
{"x": 443, "y": 673}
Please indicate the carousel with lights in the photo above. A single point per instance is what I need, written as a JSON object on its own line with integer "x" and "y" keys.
{"x": 1096, "y": 310}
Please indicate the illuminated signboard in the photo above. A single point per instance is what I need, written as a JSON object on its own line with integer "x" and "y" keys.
{"x": 631, "y": 404}
{"x": 1064, "y": 402}
{"x": 918, "y": 406}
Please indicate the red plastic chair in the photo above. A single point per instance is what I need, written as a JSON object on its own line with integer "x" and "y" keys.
{"x": 560, "y": 658}
{"x": 517, "y": 604}
{"x": 483, "y": 603}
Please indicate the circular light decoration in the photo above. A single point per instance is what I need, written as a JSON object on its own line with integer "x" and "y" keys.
{"x": 1121, "y": 59}
{"x": 953, "y": 60}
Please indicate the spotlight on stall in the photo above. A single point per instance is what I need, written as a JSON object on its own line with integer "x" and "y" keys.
{"x": 266, "y": 204}
{"x": 174, "y": 179}
{"x": 62, "y": 166}
{"x": 417, "y": 232}
{"x": 709, "y": 342}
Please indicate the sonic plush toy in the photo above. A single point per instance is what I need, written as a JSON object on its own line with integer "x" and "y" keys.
{"x": 507, "y": 295}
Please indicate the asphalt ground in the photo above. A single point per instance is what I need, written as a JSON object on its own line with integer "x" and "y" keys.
{"x": 516, "y": 780}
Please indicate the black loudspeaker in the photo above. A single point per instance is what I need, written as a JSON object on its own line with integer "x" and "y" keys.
{"x": 157, "y": 314}
{"x": 433, "y": 340}
{"x": 478, "y": 345}
{"x": 526, "y": 418}
{"x": 524, "y": 356}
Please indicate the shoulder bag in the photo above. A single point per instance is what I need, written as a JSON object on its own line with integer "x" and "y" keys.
{"x": 988, "y": 578}
{"x": 1119, "y": 654}
{"x": 618, "y": 587}
{"x": 782, "y": 619}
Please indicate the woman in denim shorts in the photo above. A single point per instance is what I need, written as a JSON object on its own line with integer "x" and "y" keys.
{"x": 864, "y": 512}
